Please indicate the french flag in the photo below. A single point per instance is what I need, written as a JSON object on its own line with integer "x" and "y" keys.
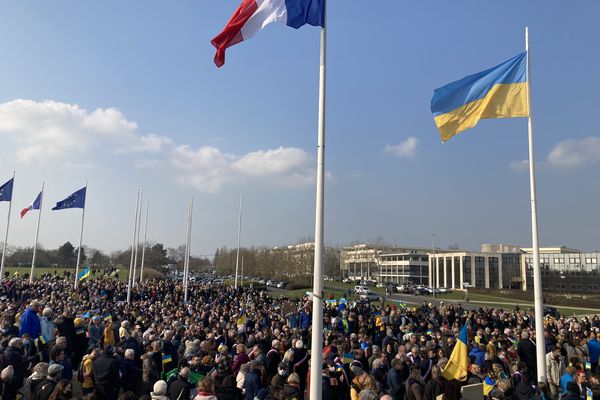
{"x": 253, "y": 15}
{"x": 35, "y": 205}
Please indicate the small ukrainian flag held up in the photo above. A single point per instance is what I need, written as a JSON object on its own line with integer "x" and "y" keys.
{"x": 84, "y": 274}
{"x": 499, "y": 92}
{"x": 459, "y": 360}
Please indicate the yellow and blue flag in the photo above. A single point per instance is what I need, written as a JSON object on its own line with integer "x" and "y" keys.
{"x": 84, "y": 274}
{"x": 459, "y": 359}
{"x": 488, "y": 385}
{"x": 499, "y": 92}
{"x": 167, "y": 359}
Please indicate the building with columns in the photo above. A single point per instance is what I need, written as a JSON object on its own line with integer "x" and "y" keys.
{"x": 463, "y": 269}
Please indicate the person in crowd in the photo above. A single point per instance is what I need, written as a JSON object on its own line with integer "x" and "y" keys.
{"x": 105, "y": 373}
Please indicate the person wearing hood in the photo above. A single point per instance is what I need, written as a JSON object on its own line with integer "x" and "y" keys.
{"x": 87, "y": 385}
{"x": 159, "y": 391}
{"x": 524, "y": 389}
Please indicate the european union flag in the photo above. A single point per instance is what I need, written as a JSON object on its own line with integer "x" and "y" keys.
{"x": 76, "y": 200}
{"x": 6, "y": 190}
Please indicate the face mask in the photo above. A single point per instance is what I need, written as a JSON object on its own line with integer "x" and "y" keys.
{"x": 501, "y": 357}
{"x": 282, "y": 372}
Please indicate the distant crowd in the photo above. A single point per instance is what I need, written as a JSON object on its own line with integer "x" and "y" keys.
{"x": 89, "y": 343}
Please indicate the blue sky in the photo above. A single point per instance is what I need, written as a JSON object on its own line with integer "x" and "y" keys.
{"x": 125, "y": 95}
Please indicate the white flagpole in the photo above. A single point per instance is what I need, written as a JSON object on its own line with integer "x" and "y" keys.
{"x": 80, "y": 240}
{"x": 188, "y": 249}
{"x": 129, "y": 277}
{"x": 242, "y": 275}
{"x": 316, "y": 356}
{"x": 237, "y": 258}
{"x": 6, "y": 235}
{"x": 37, "y": 234}
{"x": 137, "y": 235}
{"x": 145, "y": 242}
{"x": 540, "y": 348}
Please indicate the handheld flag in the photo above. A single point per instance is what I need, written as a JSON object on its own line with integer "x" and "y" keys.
{"x": 253, "y": 15}
{"x": 499, "y": 92}
{"x": 488, "y": 385}
{"x": 459, "y": 360}
{"x": 589, "y": 395}
{"x": 167, "y": 359}
{"x": 84, "y": 274}
{"x": 35, "y": 205}
{"x": 107, "y": 317}
{"x": 75, "y": 200}
{"x": 241, "y": 321}
{"x": 6, "y": 190}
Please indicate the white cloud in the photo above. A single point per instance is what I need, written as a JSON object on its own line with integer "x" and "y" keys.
{"x": 55, "y": 133}
{"x": 569, "y": 153}
{"x": 405, "y": 149}
{"x": 519, "y": 166}
{"x": 208, "y": 168}
{"x": 572, "y": 153}
{"x": 49, "y": 130}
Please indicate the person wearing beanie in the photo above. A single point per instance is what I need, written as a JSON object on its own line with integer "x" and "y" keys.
{"x": 159, "y": 391}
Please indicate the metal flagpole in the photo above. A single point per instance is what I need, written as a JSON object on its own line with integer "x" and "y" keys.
{"x": 129, "y": 277}
{"x": 80, "y": 240}
{"x": 242, "y": 274}
{"x": 137, "y": 235}
{"x": 316, "y": 357}
{"x": 188, "y": 245}
{"x": 6, "y": 235}
{"x": 540, "y": 348}
{"x": 145, "y": 236}
{"x": 37, "y": 234}
{"x": 237, "y": 257}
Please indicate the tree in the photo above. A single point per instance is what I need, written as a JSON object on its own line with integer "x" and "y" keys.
{"x": 66, "y": 254}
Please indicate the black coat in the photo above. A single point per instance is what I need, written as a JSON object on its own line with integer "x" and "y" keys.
{"x": 180, "y": 389}
{"x": 105, "y": 372}
{"x": 233, "y": 393}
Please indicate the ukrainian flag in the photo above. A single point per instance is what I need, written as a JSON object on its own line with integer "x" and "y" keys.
{"x": 499, "y": 92}
{"x": 459, "y": 359}
{"x": 488, "y": 385}
{"x": 84, "y": 274}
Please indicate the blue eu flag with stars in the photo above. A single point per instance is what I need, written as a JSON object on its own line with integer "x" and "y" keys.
{"x": 6, "y": 190}
{"x": 76, "y": 200}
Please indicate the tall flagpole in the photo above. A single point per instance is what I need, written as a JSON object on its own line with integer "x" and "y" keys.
{"x": 37, "y": 234}
{"x": 237, "y": 257}
{"x": 137, "y": 235}
{"x": 145, "y": 236}
{"x": 316, "y": 357}
{"x": 6, "y": 235}
{"x": 242, "y": 274}
{"x": 80, "y": 240}
{"x": 540, "y": 348}
{"x": 186, "y": 264}
{"x": 129, "y": 276}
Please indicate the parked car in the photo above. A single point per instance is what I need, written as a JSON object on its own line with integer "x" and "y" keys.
{"x": 281, "y": 285}
{"x": 368, "y": 295}
{"x": 346, "y": 280}
{"x": 360, "y": 289}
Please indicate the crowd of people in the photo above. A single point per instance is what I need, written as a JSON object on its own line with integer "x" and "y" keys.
{"x": 90, "y": 343}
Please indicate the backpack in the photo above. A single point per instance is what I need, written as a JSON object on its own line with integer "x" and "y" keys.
{"x": 80, "y": 377}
